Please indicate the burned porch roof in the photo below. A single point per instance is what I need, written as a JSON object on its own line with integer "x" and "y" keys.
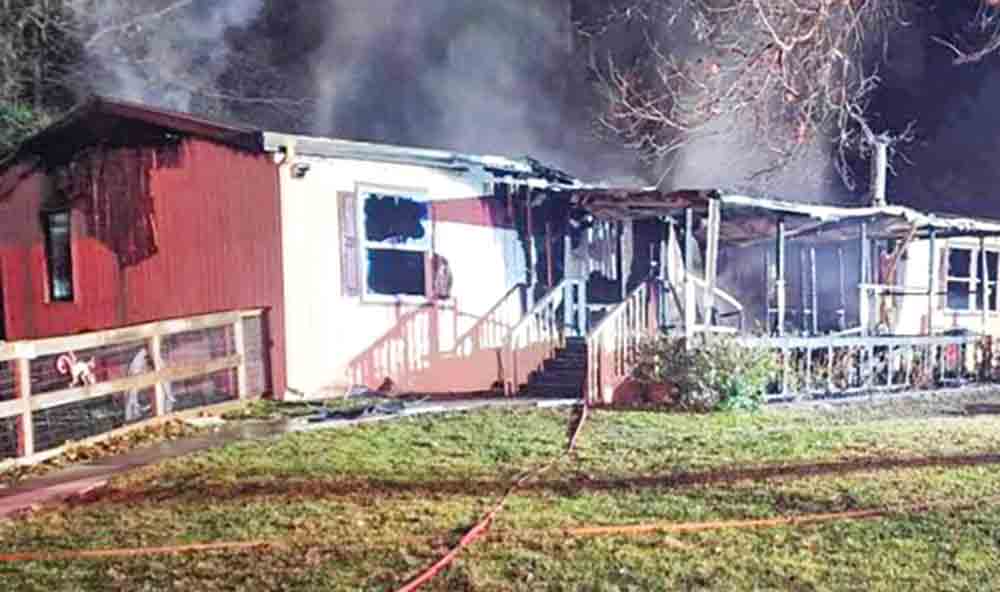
{"x": 747, "y": 220}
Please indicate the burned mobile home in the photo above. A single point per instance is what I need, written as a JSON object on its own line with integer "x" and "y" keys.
{"x": 153, "y": 262}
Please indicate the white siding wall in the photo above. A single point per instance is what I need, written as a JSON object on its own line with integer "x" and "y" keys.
{"x": 914, "y": 308}
{"x": 324, "y": 330}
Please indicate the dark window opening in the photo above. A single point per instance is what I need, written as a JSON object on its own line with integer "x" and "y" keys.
{"x": 959, "y": 279}
{"x": 392, "y": 272}
{"x": 959, "y": 263}
{"x": 397, "y": 244}
{"x": 59, "y": 255}
{"x": 958, "y": 295}
{"x": 395, "y": 220}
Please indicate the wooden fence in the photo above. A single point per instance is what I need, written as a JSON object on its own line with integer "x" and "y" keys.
{"x": 63, "y": 389}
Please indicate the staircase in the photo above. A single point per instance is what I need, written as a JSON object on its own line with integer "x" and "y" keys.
{"x": 562, "y": 376}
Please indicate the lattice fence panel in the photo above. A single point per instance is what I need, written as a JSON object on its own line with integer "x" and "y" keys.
{"x": 193, "y": 347}
{"x": 8, "y": 437}
{"x": 48, "y": 374}
{"x": 8, "y": 381}
{"x": 254, "y": 339}
{"x": 203, "y": 391}
{"x": 85, "y": 419}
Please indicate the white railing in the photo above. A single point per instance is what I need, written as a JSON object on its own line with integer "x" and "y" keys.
{"x": 720, "y": 295}
{"x": 612, "y": 346}
{"x": 493, "y": 329}
{"x": 544, "y": 329}
{"x": 159, "y": 359}
{"x": 818, "y": 366}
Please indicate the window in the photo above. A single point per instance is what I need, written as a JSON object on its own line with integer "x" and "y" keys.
{"x": 970, "y": 283}
{"x": 59, "y": 255}
{"x": 396, "y": 243}
{"x": 959, "y": 278}
{"x": 989, "y": 280}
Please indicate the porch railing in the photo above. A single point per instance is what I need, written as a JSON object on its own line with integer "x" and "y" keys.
{"x": 612, "y": 345}
{"x": 493, "y": 329}
{"x": 68, "y": 389}
{"x": 543, "y": 330}
{"x": 673, "y": 299}
{"x": 818, "y": 366}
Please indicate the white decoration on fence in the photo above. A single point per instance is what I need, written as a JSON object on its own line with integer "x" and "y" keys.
{"x": 138, "y": 365}
{"x": 81, "y": 371}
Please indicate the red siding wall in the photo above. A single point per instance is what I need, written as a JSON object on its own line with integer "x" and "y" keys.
{"x": 218, "y": 230}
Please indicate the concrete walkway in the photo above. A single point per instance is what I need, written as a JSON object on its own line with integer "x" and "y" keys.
{"x": 78, "y": 479}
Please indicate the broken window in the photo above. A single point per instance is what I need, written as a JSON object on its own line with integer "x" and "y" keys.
{"x": 396, "y": 242}
{"x": 58, "y": 255}
{"x": 959, "y": 278}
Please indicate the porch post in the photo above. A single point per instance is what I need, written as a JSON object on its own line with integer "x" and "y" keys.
{"x": 569, "y": 316}
{"x": 568, "y": 271}
{"x": 712, "y": 259}
{"x": 532, "y": 249}
{"x": 779, "y": 280}
{"x": 864, "y": 250}
{"x": 620, "y": 270}
{"x": 814, "y": 292}
{"x": 767, "y": 289}
{"x": 549, "y": 257}
{"x": 932, "y": 278}
{"x": 842, "y": 286}
{"x": 984, "y": 286}
{"x": 665, "y": 262}
{"x": 690, "y": 317}
{"x": 803, "y": 289}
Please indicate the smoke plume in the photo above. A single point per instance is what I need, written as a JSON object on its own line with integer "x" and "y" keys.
{"x": 159, "y": 52}
{"x": 510, "y": 77}
{"x": 487, "y": 76}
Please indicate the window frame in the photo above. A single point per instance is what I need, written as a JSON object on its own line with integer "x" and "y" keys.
{"x": 973, "y": 283}
{"x": 47, "y": 235}
{"x": 364, "y": 244}
{"x": 991, "y": 283}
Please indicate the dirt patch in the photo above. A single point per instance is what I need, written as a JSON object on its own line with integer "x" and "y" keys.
{"x": 388, "y": 489}
{"x": 911, "y": 405}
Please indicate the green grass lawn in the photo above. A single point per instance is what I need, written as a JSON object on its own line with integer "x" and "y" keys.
{"x": 368, "y": 508}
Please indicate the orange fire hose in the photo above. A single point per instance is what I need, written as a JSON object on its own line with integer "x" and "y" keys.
{"x": 481, "y": 527}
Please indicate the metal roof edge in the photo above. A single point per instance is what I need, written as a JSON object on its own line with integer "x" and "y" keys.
{"x": 352, "y": 149}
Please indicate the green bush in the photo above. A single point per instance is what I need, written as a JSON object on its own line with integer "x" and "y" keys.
{"x": 17, "y": 122}
{"x": 716, "y": 374}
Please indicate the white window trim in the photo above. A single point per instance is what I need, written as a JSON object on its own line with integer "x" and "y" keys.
{"x": 972, "y": 281}
{"x": 368, "y": 296}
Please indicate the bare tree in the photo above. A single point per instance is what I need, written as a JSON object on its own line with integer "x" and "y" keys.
{"x": 797, "y": 71}
{"x": 170, "y": 53}
{"x": 180, "y": 54}
{"x": 35, "y": 53}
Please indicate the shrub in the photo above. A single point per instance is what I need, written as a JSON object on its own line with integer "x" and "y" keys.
{"x": 716, "y": 374}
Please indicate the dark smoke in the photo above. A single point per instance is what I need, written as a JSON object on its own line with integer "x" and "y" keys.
{"x": 510, "y": 77}
{"x": 486, "y": 76}
{"x": 953, "y": 162}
